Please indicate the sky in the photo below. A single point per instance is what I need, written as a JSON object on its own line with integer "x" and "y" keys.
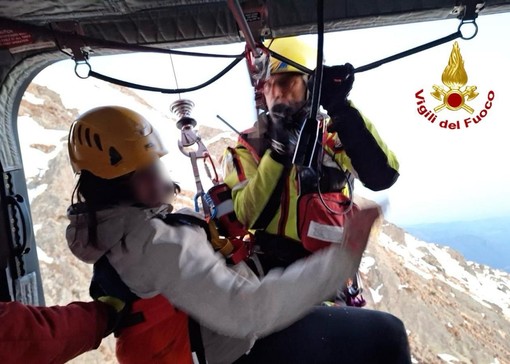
{"x": 446, "y": 175}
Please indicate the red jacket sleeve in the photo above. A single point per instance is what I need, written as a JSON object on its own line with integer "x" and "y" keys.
{"x": 56, "y": 334}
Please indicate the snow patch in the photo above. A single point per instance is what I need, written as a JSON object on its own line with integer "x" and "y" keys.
{"x": 34, "y": 192}
{"x": 43, "y": 257}
{"x": 412, "y": 257}
{"x": 403, "y": 286}
{"x": 31, "y": 98}
{"x": 35, "y": 161}
{"x": 376, "y": 296}
{"x": 366, "y": 264}
{"x": 448, "y": 358}
{"x": 419, "y": 272}
{"x": 37, "y": 227}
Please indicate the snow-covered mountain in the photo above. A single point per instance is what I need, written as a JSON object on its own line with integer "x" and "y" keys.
{"x": 456, "y": 311}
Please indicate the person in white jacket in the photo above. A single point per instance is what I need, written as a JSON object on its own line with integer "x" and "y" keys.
{"x": 121, "y": 216}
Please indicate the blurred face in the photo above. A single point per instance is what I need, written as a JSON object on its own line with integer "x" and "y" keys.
{"x": 285, "y": 88}
{"x": 152, "y": 186}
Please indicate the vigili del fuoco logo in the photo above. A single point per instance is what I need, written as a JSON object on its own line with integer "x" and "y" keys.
{"x": 456, "y": 95}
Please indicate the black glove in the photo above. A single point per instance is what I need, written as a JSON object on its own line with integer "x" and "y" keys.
{"x": 336, "y": 84}
{"x": 347, "y": 122}
{"x": 284, "y": 129}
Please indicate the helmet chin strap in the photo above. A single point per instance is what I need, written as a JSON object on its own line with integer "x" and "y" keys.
{"x": 302, "y": 112}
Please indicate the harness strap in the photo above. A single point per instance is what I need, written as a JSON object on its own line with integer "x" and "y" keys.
{"x": 132, "y": 319}
{"x": 242, "y": 250}
{"x": 237, "y": 165}
{"x": 250, "y": 148}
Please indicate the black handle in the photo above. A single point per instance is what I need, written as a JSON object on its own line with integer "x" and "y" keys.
{"x": 18, "y": 202}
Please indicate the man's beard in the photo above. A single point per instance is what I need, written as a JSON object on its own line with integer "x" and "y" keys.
{"x": 289, "y": 109}
{"x": 293, "y": 115}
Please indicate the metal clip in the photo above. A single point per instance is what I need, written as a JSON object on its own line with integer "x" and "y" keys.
{"x": 259, "y": 71}
{"x": 182, "y": 109}
{"x": 467, "y": 10}
{"x": 188, "y": 138}
{"x": 258, "y": 66}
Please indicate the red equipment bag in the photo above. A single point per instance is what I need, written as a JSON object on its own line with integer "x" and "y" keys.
{"x": 317, "y": 225}
{"x": 228, "y": 225}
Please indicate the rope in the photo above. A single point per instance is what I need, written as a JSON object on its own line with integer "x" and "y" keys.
{"x": 435, "y": 43}
{"x": 116, "y": 81}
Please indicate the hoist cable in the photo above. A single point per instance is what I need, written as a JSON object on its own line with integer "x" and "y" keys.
{"x": 317, "y": 84}
{"x": 175, "y": 74}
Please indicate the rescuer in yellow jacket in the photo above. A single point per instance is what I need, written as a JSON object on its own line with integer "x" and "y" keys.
{"x": 266, "y": 187}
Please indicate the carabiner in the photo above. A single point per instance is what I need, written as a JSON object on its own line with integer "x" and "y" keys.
{"x": 188, "y": 139}
{"x": 210, "y": 209}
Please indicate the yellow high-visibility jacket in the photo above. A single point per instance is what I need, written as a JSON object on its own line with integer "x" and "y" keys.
{"x": 265, "y": 191}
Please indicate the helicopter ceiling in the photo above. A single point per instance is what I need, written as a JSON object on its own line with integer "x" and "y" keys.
{"x": 199, "y": 22}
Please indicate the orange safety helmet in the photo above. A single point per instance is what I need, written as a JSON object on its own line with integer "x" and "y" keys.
{"x": 111, "y": 141}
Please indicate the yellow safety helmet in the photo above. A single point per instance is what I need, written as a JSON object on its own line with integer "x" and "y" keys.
{"x": 112, "y": 141}
{"x": 294, "y": 49}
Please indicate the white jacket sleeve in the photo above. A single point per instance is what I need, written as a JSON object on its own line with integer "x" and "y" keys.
{"x": 179, "y": 263}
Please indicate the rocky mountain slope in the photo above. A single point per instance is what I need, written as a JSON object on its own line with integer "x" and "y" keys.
{"x": 456, "y": 311}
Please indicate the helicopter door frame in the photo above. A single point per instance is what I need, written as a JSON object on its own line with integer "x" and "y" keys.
{"x": 20, "y": 277}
